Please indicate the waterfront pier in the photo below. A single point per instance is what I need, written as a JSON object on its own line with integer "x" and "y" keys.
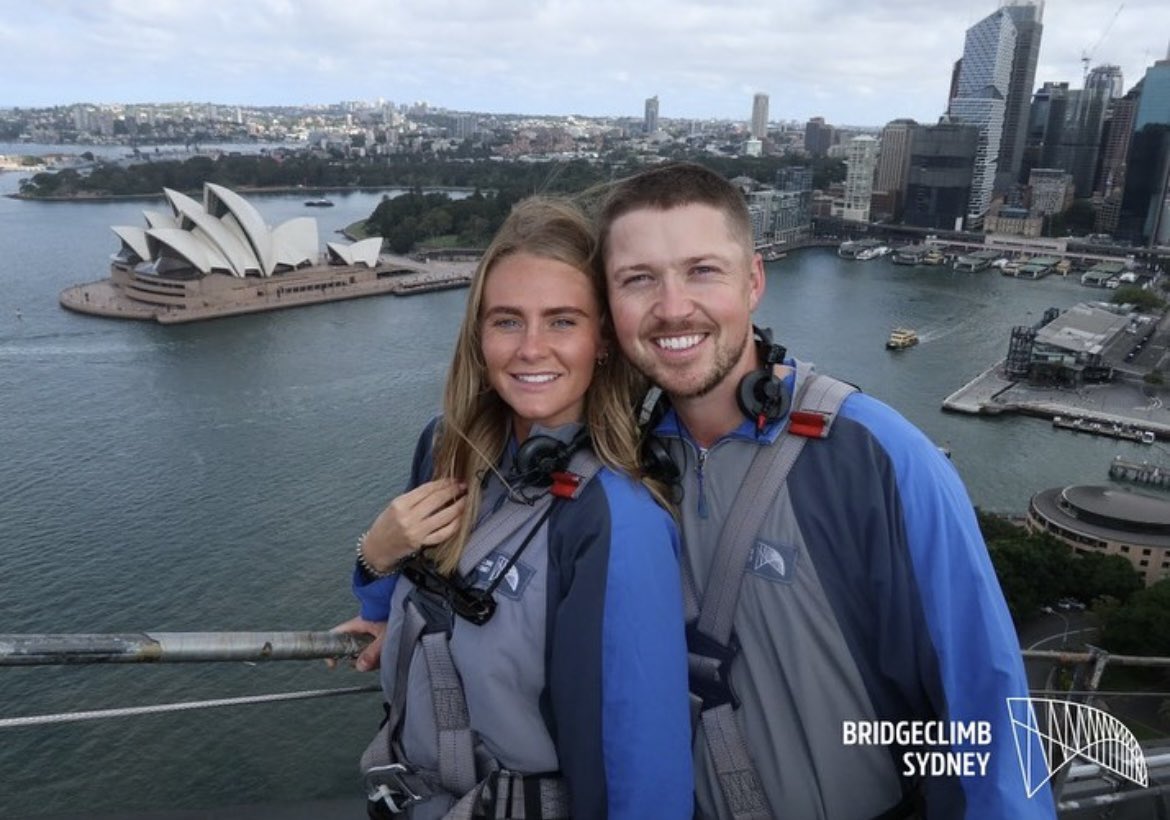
{"x": 1119, "y": 405}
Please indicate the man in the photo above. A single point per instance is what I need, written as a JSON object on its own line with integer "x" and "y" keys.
{"x": 868, "y": 595}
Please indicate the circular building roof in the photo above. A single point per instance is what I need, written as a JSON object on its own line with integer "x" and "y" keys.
{"x": 1107, "y": 513}
{"x": 1123, "y": 506}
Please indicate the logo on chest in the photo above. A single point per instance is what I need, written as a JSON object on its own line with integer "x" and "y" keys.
{"x": 515, "y": 579}
{"x": 773, "y": 562}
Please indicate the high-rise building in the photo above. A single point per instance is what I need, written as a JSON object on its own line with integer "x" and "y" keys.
{"x": 938, "y": 189}
{"x": 650, "y": 119}
{"x": 860, "y": 161}
{"x": 1115, "y": 140}
{"x": 760, "y": 116}
{"x": 1145, "y": 204}
{"x": 1051, "y": 190}
{"x": 818, "y": 137}
{"x": 893, "y": 166}
{"x": 1027, "y": 16}
{"x": 984, "y": 79}
{"x": 1081, "y": 141}
{"x": 1046, "y": 126}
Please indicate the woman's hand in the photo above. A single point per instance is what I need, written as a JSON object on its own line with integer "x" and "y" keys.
{"x": 370, "y": 657}
{"x": 425, "y": 516}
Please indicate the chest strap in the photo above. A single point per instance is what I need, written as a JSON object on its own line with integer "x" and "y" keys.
{"x": 467, "y": 775}
{"x": 710, "y": 640}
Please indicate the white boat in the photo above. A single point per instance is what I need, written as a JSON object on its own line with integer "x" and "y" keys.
{"x": 901, "y": 338}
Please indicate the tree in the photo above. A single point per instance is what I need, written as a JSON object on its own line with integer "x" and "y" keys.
{"x": 1144, "y": 300}
{"x": 1140, "y": 626}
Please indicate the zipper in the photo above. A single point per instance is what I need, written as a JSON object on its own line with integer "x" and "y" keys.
{"x": 702, "y": 488}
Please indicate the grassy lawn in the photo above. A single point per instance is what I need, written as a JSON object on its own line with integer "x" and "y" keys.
{"x": 357, "y": 230}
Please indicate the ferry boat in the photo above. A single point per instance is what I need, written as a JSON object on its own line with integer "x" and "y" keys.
{"x": 872, "y": 253}
{"x": 901, "y": 338}
{"x": 318, "y": 203}
{"x": 909, "y": 255}
{"x": 934, "y": 257}
{"x": 855, "y": 249}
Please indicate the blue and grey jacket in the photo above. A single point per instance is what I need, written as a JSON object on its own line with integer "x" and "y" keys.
{"x": 582, "y": 669}
{"x": 868, "y": 596}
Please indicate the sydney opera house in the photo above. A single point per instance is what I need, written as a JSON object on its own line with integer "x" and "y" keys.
{"x": 219, "y": 258}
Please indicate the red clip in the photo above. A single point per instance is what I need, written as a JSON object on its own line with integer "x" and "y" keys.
{"x": 565, "y": 484}
{"x": 803, "y": 423}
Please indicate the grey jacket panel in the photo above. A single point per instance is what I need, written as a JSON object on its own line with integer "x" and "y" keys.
{"x": 795, "y": 675}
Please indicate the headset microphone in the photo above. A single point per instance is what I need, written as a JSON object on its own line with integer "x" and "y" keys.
{"x": 763, "y": 397}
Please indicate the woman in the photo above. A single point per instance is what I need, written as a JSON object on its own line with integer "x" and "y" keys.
{"x": 534, "y": 656}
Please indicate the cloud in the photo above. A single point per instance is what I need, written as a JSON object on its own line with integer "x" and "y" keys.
{"x": 852, "y": 63}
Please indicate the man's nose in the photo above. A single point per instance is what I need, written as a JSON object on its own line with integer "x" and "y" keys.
{"x": 675, "y": 300}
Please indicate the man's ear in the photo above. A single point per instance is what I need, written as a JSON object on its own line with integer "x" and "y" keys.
{"x": 757, "y": 281}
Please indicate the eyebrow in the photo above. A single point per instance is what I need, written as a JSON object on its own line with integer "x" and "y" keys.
{"x": 689, "y": 262}
{"x": 508, "y": 310}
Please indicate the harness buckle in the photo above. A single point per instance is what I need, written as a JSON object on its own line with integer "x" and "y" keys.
{"x": 709, "y": 668}
{"x": 388, "y": 784}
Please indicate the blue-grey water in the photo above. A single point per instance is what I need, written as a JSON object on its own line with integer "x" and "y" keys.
{"x": 215, "y": 476}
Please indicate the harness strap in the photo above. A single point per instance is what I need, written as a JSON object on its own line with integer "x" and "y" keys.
{"x": 456, "y": 746}
{"x": 710, "y": 623}
{"x": 474, "y": 782}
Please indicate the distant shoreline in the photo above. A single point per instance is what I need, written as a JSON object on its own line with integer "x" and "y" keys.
{"x": 275, "y": 189}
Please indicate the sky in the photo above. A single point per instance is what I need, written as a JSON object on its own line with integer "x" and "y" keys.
{"x": 854, "y": 62}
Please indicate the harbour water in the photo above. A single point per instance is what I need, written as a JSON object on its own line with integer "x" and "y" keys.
{"x": 215, "y": 477}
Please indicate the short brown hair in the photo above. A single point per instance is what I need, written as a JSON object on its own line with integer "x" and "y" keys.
{"x": 672, "y": 186}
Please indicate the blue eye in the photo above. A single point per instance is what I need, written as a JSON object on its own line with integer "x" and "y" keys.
{"x": 506, "y": 323}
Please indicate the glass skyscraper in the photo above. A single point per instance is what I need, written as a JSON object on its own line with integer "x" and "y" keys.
{"x": 984, "y": 78}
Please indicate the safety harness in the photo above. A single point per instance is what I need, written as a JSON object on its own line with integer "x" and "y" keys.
{"x": 711, "y": 642}
{"x": 473, "y": 782}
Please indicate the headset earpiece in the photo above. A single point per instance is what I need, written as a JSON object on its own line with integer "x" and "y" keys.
{"x": 762, "y": 396}
{"x": 656, "y": 461}
{"x": 541, "y": 456}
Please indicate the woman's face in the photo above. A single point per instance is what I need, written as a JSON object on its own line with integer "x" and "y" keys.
{"x": 541, "y": 336}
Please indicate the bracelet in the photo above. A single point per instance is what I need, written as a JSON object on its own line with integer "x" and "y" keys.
{"x": 366, "y": 566}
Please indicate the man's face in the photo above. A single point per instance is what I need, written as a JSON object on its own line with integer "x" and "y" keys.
{"x": 681, "y": 291}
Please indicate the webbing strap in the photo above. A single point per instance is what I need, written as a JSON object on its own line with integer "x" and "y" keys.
{"x": 817, "y": 400}
{"x": 499, "y": 527}
{"x": 413, "y": 625}
{"x": 452, "y": 722}
{"x": 512, "y": 795}
{"x": 738, "y": 780}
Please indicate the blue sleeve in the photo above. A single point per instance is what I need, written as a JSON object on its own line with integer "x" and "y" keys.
{"x": 374, "y": 594}
{"x": 617, "y": 668}
{"x": 974, "y": 642}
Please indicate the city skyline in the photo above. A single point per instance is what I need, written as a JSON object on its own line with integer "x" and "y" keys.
{"x": 854, "y": 66}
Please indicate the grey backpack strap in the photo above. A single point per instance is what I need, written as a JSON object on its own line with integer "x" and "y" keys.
{"x": 710, "y": 622}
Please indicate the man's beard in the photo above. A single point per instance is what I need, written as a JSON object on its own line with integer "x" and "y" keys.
{"x": 726, "y": 358}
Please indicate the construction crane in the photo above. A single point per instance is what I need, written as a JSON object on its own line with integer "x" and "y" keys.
{"x": 1087, "y": 55}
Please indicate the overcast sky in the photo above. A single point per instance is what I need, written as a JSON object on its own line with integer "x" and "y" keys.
{"x": 855, "y": 62}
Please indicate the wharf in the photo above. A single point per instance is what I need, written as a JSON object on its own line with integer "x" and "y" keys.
{"x": 1152, "y": 475}
{"x": 1122, "y": 406}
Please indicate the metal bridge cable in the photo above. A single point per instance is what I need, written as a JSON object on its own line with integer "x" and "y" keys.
{"x": 71, "y": 717}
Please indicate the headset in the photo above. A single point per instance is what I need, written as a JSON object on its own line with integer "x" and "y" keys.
{"x": 762, "y": 396}
{"x": 540, "y": 458}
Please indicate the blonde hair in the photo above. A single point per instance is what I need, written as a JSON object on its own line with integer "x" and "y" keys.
{"x": 475, "y": 423}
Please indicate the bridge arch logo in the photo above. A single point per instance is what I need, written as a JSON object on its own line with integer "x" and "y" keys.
{"x": 1069, "y": 730}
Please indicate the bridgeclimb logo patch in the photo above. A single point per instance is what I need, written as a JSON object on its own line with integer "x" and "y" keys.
{"x": 775, "y": 562}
